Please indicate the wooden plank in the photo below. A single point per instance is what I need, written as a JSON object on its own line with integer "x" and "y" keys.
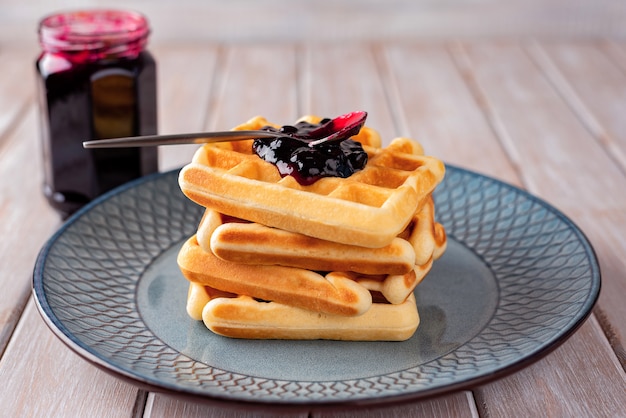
{"x": 279, "y": 20}
{"x": 593, "y": 85}
{"x": 21, "y": 202}
{"x": 433, "y": 90}
{"x": 580, "y": 392}
{"x": 616, "y": 51}
{"x": 168, "y": 407}
{"x": 254, "y": 80}
{"x": 542, "y": 128}
{"x": 48, "y": 379}
{"x": 346, "y": 20}
{"x": 341, "y": 78}
{"x": 453, "y": 405}
{"x": 459, "y": 405}
{"x": 17, "y": 87}
{"x": 184, "y": 76}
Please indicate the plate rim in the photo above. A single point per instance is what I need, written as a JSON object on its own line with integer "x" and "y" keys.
{"x": 83, "y": 350}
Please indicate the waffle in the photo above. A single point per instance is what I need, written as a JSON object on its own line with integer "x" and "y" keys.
{"x": 332, "y": 293}
{"x": 252, "y": 243}
{"x": 368, "y": 209}
{"x": 429, "y": 241}
{"x": 382, "y": 270}
{"x": 244, "y": 317}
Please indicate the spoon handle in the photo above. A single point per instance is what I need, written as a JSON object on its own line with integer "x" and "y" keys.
{"x": 177, "y": 139}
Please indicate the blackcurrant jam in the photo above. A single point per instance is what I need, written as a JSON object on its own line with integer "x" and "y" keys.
{"x": 292, "y": 154}
{"x": 96, "y": 80}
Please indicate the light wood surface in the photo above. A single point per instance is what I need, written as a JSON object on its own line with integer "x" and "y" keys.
{"x": 339, "y": 20}
{"x": 545, "y": 115}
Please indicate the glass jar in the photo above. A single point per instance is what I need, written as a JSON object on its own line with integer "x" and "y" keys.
{"x": 96, "y": 80}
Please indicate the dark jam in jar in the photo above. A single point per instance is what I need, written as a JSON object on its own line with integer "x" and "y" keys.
{"x": 293, "y": 156}
{"x": 96, "y": 81}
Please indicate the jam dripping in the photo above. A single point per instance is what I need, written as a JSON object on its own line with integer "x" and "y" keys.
{"x": 293, "y": 155}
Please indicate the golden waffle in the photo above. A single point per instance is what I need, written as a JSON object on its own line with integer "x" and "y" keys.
{"x": 368, "y": 209}
{"x": 333, "y": 293}
{"x": 243, "y": 317}
{"x": 253, "y": 243}
{"x": 394, "y": 270}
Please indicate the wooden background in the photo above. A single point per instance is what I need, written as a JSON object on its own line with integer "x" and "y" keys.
{"x": 283, "y": 20}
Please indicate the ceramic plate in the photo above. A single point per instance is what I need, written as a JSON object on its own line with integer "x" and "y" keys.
{"x": 517, "y": 279}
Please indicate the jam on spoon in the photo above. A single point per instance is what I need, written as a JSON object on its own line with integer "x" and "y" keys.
{"x": 309, "y": 152}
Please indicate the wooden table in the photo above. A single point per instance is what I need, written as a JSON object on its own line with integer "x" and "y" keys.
{"x": 545, "y": 116}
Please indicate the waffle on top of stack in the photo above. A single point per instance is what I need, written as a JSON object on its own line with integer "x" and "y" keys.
{"x": 337, "y": 259}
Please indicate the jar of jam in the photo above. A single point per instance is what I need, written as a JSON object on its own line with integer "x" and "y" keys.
{"x": 96, "y": 80}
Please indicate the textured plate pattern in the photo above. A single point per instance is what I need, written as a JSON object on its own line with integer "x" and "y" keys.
{"x": 86, "y": 276}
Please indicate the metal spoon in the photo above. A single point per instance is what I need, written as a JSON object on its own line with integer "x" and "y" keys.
{"x": 177, "y": 139}
{"x": 344, "y": 125}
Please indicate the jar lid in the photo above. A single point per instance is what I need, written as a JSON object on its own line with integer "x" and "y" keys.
{"x": 99, "y": 33}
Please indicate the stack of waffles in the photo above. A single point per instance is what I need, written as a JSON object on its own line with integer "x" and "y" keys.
{"x": 338, "y": 259}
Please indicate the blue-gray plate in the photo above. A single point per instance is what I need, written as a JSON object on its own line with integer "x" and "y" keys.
{"x": 517, "y": 279}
